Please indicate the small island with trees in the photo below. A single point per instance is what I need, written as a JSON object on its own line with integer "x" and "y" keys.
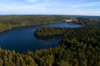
{"x": 49, "y": 32}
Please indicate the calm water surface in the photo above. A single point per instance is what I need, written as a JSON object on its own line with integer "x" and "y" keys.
{"x": 23, "y": 39}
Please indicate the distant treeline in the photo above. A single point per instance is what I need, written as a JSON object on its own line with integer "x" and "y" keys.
{"x": 9, "y": 22}
{"x": 87, "y": 20}
{"x": 12, "y": 21}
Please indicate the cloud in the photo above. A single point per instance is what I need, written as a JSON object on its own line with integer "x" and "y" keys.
{"x": 32, "y": 0}
{"x": 21, "y": 8}
{"x": 86, "y": 4}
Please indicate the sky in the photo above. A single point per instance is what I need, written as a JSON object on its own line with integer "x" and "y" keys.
{"x": 50, "y": 7}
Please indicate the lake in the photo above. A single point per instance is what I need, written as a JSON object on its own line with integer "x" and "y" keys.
{"x": 23, "y": 39}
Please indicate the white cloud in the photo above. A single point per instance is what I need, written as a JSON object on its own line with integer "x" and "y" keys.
{"x": 32, "y": 0}
{"x": 20, "y": 7}
{"x": 91, "y": 12}
{"x": 86, "y": 4}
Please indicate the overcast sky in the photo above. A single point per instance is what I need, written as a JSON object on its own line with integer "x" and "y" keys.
{"x": 48, "y": 7}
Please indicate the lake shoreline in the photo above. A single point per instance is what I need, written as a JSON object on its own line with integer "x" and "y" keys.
{"x": 34, "y": 25}
{"x": 22, "y": 38}
{"x": 25, "y": 26}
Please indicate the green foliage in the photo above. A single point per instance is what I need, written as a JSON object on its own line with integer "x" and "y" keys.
{"x": 63, "y": 63}
{"x": 78, "y": 46}
{"x": 49, "y": 32}
{"x": 82, "y": 45}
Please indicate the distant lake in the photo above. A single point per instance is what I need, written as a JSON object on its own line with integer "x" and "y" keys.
{"x": 23, "y": 39}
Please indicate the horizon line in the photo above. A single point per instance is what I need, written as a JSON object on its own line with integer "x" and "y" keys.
{"x": 44, "y": 14}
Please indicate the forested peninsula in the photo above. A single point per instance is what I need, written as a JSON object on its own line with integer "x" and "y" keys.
{"x": 78, "y": 46}
{"x": 49, "y": 32}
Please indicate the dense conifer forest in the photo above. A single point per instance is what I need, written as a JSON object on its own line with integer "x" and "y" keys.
{"x": 78, "y": 46}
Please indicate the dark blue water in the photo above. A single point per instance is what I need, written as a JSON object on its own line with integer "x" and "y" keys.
{"x": 23, "y": 39}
